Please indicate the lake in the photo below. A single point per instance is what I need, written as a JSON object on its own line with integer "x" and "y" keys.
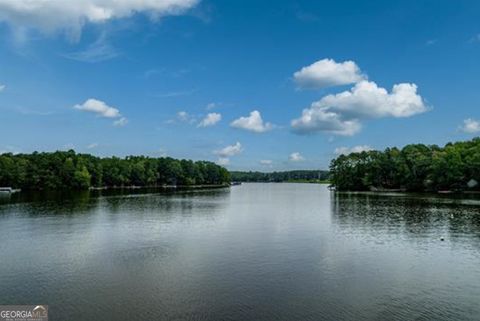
{"x": 250, "y": 252}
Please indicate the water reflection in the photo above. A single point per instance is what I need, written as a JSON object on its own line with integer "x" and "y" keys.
{"x": 82, "y": 202}
{"x": 252, "y": 252}
{"x": 101, "y": 249}
{"x": 413, "y": 215}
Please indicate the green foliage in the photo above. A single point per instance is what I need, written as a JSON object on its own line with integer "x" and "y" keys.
{"x": 288, "y": 176}
{"x": 414, "y": 168}
{"x": 81, "y": 178}
{"x": 68, "y": 170}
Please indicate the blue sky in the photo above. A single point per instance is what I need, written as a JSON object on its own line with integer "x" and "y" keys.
{"x": 255, "y": 85}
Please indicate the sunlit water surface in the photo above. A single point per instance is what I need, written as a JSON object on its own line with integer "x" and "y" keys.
{"x": 251, "y": 252}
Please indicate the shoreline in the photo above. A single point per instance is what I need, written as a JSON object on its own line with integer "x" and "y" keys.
{"x": 134, "y": 187}
{"x": 287, "y": 182}
{"x": 398, "y": 192}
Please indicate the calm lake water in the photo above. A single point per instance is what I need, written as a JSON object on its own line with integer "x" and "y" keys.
{"x": 251, "y": 252}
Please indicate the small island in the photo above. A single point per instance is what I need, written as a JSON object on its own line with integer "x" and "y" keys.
{"x": 69, "y": 170}
{"x": 417, "y": 168}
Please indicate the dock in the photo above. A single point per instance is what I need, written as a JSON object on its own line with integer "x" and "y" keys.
{"x": 8, "y": 190}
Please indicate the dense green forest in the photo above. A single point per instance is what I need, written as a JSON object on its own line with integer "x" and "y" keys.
{"x": 455, "y": 167}
{"x": 288, "y": 176}
{"x": 60, "y": 170}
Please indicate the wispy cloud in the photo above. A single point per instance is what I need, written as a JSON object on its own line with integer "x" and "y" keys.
{"x": 470, "y": 126}
{"x": 225, "y": 153}
{"x": 217, "y": 105}
{"x": 152, "y": 72}
{"x": 210, "y": 120}
{"x": 28, "y": 111}
{"x": 120, "y": 122}
{"x": 180, "y": 72}
{"x": 230, "y": 150}
{"x": 266, "y": 162}
{"x": 475, "y": 38}
{"x": 296, "y": 157}
{"x": 306, "y": 16}
{"x": 98, "y": 51}
{"x": 185, "y": 117}
{"x": 182, "y": 117}
{"x": 211, "y": 106}
{"x": 92, "y": 146}
{"x": 171, "y": 94}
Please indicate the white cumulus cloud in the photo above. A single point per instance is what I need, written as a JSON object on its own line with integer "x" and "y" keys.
{"x": 71, "y": 15}
{"x": 328, "y": 73}
{"x": 342, "y": 113}
{"x": 103, "y": 110}
{"x": 296, "y": 157}
{"x": 470, "y": 126}
{"x": 266, "y": 162}
{"x": 253, "y": 123}
{"x": 367, "y": 100}
{"x": 210, "y": 120}
{"x": 98, "y": 107}
{"x": 2, "y": 87}
{"x": 225, "y": 153}
{"x": 355, "y": 149}
{"x": 230, "y": 150}
{"x": 316, "y": 119}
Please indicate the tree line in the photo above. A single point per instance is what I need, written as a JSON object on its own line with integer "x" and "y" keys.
{"x": 286, "y": 176}
{"x": 416, "y": 167}
{"x": 69, "y": 170}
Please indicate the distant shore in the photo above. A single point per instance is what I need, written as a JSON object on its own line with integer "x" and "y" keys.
{"x": 133, "y": 187}
{"x": 289, "y": 181}
{"x": 400, "y": 192}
